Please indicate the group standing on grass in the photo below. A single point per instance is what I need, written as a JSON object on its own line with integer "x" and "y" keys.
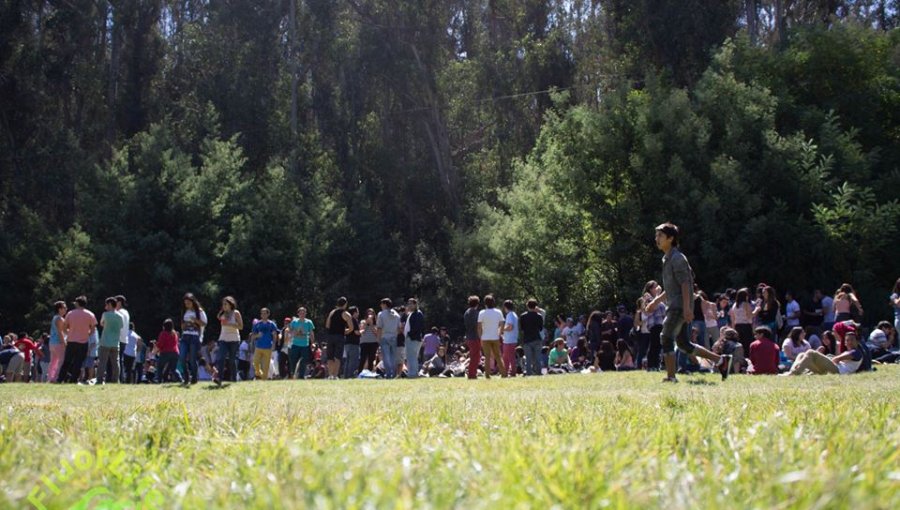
{"x": 675, "y": 326}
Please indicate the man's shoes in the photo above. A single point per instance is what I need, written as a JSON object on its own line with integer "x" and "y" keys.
{"x": 672, "y": 380}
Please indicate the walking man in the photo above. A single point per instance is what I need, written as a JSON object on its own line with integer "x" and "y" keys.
{"x": 678, "y": 294}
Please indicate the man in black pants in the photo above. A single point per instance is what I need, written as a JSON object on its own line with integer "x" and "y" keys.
{"x": 678, "y": 292}
{"x": 338, "y": 325}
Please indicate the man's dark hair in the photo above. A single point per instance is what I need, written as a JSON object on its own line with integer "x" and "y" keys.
{"x": 509, "y": 305}
{"x": 57, "y": 305}
{"x": 474, "y": 301}
{"x": 81, "y": 301}
{"x": 387, "y": 302}
{"x": 532, "y": 304}
{"x": 764, "y": 331}
{"x": 489, "y": 301}
{"x": 669, "y": 230}
{"x": 120, "y": 299}
{"x": 341, "y": 301}
{"x": 111, "y": 301}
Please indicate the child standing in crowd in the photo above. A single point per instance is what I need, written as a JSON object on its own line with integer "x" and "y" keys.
{"x": 264, "y": 332}
{"x": 167, "y": 352}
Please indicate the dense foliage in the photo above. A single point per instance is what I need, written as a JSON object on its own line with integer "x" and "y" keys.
{"x": 293, "y": 151}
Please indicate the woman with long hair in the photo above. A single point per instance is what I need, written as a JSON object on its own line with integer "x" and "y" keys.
{"x": 624, "y": 358}
{"x": 742, "y": 318}
{"x": 845, "y": 300}
{"x": 654, "y": 322}
{"x": 193, "y": 321}
{"x": 767, "y": 311}
{"x": 643, "y": 338}
{"x": 368, "y": 342}
{"x": 795, "y": 344}
{"x": 57, "y": 340}
{"x": 229, "y": 339}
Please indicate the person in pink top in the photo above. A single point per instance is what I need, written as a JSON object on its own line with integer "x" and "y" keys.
{"x": 79, "y": 325}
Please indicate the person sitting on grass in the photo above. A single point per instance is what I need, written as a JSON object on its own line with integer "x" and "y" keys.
{"x": 624, "y": 358}
{"x": 881, "y": 341}
{"x": 605, "y": 358}
{"x": 437, "y": 364}
{"x": 459, "y": 366}
{"x": 11, "y": 360}
{"x": 559, "y": 362}
{"x": 795, "y": 344}
{"x": 829, "y": 343}
{"x": 850, "y": 361}
{"x": 764, "y": 351}
{"x": 729, "y": 342}
{"x": 579, "y": 355}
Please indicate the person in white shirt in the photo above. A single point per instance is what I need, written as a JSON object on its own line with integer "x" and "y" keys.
{"x": 510, "y": 339}
{"x": 814, "y": 362}
{"x": 490, "y": 324}
{"x": 792, "y": 310}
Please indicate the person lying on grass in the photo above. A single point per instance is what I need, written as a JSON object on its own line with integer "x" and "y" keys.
{"x": 814, "y": 362}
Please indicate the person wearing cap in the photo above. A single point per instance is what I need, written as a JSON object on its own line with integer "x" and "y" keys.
{"x": 678, "y": 293}
{"x": 79, "y": 325}
{"x": 848, "y": 362}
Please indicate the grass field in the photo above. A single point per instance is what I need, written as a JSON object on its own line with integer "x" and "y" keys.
{"x": 579, "y": 441}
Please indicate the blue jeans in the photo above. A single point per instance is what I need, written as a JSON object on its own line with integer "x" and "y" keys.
{"x": 533, "y": 357}
{"x": 299, "y": 354}
{"x": 189, "y": 355}
{"x": 227, "y": 350}
{"x": 351, "y": 360}
{"x": 700, "y": 327}
{"x": 412, "y": 358}
{"x": 389, "y": 356}
{"x": 167, "y": 362}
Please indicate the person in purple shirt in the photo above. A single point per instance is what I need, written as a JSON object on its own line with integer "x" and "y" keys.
{"x": 431, "y": 342}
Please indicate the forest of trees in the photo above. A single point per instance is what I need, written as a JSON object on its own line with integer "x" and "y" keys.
{"x": 291, "y": 151}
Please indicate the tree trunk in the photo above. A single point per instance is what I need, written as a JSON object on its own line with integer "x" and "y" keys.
{"x": 292, "y": 54}
{"x": 113, "y": 76}
{"x": 752, "y": 14}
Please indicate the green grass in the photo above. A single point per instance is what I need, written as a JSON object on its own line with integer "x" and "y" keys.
{"x": 580, "y": 441}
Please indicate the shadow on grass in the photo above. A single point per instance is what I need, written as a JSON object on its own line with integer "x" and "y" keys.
{"x": 213, "y": 386}
{"x": 176, "y": 385}
{"x": 701, "y": 382}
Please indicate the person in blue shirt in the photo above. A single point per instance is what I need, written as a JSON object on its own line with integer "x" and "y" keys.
{"x": 264, "y": 331}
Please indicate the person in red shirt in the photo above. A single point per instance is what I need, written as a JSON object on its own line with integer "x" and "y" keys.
{"x": 840, "y": 330}
{"x": 167, "y": 349}
{"x": 26, "y": 345}
{"x": 763, "y": 353}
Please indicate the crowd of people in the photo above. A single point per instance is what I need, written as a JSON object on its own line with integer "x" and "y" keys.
{"x": 747, "y": 330}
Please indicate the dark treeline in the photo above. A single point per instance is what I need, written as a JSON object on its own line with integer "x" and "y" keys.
{"x": 292, "y": 151}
